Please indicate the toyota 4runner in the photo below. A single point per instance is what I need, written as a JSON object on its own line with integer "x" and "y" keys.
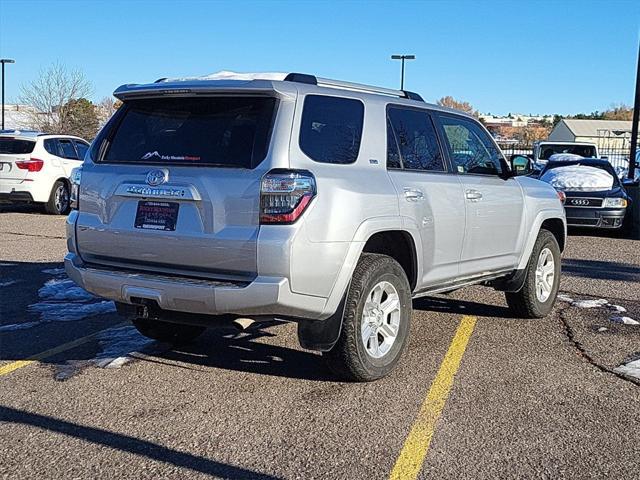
{"x": 326, "y": 203}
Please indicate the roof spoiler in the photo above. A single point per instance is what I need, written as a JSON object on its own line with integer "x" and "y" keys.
{"x": 326, "y": 82}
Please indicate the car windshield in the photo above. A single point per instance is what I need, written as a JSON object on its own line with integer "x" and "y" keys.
{"x": 14, "y": 146}
{"x": 586, "y": 151}
{"x": 225, "y": 131}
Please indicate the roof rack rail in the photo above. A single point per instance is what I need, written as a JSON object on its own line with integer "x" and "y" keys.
{"x": 327, "y": 82}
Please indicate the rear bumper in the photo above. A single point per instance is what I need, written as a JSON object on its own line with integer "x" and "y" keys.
{"x": 16, "y": 197}
{"x": 270, "y": 296}
{"x": 595, "y": 217}
{"x": 25, "y": 191}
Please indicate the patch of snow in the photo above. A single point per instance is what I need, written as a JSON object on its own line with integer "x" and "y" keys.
{"x": 601, "y": 302}
{"x": 69, "y": 312}
{"x": 564, "y": 298}
{"x": 603, "y": 329}
{"x": 63, "y": 290}
{"x": 61, "y": 300}
{"x": 227, "y": 75}
{"x": 53, "y": 271}
{"x": 574, "y": 178}
{"x": 624, "y": 320}
{"x": 118, "y": 344}
{"x": 565, "y": 157}
{"x": 631, "y": 369}
{"x": 7, "y": 283}
{"x": 18, "y": 326}
{"x": 617, "y": 308}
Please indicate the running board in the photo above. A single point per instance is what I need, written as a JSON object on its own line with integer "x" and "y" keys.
{"x": 462, "y": 283}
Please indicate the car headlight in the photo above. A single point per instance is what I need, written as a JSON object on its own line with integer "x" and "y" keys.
{"x": 615, "y": 202}
{"x": 76, "y": 175}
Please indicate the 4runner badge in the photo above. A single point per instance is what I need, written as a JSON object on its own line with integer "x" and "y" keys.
{"x": 157, "y": 177}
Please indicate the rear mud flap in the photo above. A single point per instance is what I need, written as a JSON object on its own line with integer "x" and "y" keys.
{"x": 322, "y": 335}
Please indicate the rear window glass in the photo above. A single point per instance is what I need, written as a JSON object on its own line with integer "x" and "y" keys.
{"x": 586, "y": 151}
{"x": 15, "y": 146}
{"x": 225, "y": 131}
{"x": 331, "y": 128}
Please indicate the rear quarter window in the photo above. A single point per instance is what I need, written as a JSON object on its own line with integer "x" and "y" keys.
{"x": 331, "y": 128}
{"x": 213, "y": 131}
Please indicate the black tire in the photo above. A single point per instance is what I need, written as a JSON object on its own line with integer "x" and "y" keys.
{"x": 525, "y": 303}
{"x": 173, "y": 333}
{"x": 349, "y": 358}
{"x": 59, "y": 200}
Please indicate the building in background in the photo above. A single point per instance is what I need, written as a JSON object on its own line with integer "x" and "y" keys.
{"x": 607, "y": 134}
{"x": 17, "y": 117}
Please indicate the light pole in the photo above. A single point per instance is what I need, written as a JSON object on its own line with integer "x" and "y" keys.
{"x": 3, "y": 61}
{"x": 403, "y": 58}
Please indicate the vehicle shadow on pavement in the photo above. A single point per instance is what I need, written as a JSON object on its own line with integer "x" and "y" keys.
{"x": 129, "y": 444}
{"x": 461, "y": 307}
{"x": 226, "y": 348}
{"x": 27, "y": 208}
{"x": 603, "y": 270}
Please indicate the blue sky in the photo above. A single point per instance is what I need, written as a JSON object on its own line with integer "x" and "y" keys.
{"x": 516, "y": 56}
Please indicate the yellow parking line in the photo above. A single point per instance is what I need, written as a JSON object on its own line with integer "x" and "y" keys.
{"x": 10, "y": 367}
{"x": 417, "y": 443}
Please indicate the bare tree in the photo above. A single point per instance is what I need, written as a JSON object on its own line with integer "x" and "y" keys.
{"x": 51, "y": 97}
{"x": 106, "y": 108}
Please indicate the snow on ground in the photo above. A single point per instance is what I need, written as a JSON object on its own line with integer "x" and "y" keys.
{"x": 601, "y": 303}
{"x": 564, "y": 298}
{"x": 117, "y": 344}
{"x": 61, "y": 300}
{"x": 631, "y": 369}
{"x": 7, "y": 283}
{"x": 624, "y": 320}
{"x": 578, "y": 178}
{"x": 53, "y": 271}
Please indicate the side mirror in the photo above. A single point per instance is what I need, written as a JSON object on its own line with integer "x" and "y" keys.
{"x": 604, "y": 158}
{"x": 521, "y": 165}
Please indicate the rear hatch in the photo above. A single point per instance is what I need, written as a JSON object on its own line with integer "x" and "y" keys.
{"x": 14, "y": 150}
{"x": 175, "y": 186}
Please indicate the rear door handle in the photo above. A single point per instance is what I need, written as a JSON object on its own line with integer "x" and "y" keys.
{"x": 473, "y": 195}
{"x": 413, "y": 195}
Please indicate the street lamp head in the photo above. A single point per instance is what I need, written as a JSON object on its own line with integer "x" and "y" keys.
{"x": 396, "y": 57}
{"x": 7, "y": 60}
{"x": 410, "y": 57}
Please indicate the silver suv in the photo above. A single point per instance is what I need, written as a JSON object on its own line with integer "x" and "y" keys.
{"x": 326, "y": 203}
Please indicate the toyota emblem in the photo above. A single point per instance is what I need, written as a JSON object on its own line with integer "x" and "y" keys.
{"x": 157, "y": 177}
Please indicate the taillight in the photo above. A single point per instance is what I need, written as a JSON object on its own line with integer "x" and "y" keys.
{"x": 285, "y": 194}
{"x": 32, "y": 165}
{"x": 74, "y": 198}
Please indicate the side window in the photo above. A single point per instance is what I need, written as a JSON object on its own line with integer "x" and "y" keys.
{"x": 67, "y": 149}
{"x": 416, "y": 138}
{"x": 82, "y": 148}
{"x": 50, "y": 145}
{"x": 393, "y": 154}
{"x": 331, "y": 128}
{"x": 472, "y": 151}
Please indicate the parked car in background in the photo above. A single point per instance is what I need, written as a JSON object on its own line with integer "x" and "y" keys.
{"x": 35, "y": 168}
{"x": 326, "y": 203}
{"x": 595, "y": 196}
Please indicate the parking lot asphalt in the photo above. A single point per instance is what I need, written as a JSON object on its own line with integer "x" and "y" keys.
{"x": 527, "y": 398}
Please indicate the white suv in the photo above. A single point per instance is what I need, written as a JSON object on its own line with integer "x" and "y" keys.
{"x": 35, "y": 168}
